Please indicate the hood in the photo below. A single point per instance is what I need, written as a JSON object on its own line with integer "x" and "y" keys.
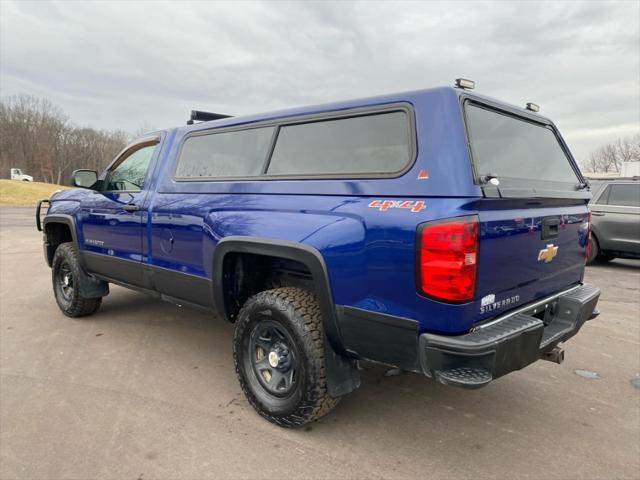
{"x": 74, "y": 194}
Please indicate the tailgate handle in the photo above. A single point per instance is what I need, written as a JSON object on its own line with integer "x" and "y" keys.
{"x": 550, "y": 227}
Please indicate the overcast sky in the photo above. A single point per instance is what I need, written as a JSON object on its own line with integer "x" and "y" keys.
{"x": 125, "y": 65}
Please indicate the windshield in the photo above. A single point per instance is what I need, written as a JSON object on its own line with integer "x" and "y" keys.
{"x": 517, "y": 152}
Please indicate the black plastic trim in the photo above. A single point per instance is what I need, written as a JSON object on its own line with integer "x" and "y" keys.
{"x": 180, "y": 286}
{"x": 380, "y": 337}
{"x": 127, "y": 271}
{"x": 70, "y": 222}
{"x": 305, "y": 254}
{"x": 173, "y": 286}
{"x": 550, "y": 227}
{"x": 153, "y": 293}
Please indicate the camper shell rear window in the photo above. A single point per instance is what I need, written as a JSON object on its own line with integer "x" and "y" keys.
{"x": 526, "y": 157}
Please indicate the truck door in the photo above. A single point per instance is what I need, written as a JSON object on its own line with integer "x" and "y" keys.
{"x": 112, "y": 218}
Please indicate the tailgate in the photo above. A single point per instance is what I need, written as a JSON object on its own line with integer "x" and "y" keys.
{"x": 526, "y": 254}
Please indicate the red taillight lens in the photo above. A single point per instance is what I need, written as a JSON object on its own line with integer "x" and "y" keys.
{"x": 447, "y": 257}
{"x": 587, "y": 245}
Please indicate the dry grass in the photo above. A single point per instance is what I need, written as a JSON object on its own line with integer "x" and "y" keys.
{"x": 15, "y": 192}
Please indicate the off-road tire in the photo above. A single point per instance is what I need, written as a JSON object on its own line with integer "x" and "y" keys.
{"x": 72, "y": 303}
{"x": 297, "y": 311}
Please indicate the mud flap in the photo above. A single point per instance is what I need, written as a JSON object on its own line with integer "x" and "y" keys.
{"x": 92, "y": 287}
{"x": 342, "y": 373}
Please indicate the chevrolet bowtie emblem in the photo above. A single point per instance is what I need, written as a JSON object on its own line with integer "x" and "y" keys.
{"x": 548, "y": 254}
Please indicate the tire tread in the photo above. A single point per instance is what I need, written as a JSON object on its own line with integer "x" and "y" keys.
{"x": 300, "y": 306}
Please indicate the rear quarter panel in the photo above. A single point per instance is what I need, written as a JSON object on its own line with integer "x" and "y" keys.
{"x": 369, "y": 253}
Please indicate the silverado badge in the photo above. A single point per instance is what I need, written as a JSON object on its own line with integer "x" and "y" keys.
{"x": 547, "y": 254}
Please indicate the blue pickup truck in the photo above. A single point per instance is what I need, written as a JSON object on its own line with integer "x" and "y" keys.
{"x": 437, "y": 231}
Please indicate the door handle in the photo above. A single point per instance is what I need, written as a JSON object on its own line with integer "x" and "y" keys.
{"x": 597, "y": 214}
{"x": 131, "y": 207}
{"x": 550, "y": 227}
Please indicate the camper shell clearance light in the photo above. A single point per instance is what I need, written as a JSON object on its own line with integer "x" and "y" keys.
{"x": 465, "y": 83}
{"x": 533, "y": 107}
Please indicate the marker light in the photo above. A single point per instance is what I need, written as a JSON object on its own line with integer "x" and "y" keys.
{"x": 464, "y": 83}
{"x": 533, "y": 107}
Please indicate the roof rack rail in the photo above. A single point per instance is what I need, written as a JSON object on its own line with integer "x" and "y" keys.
{"x": 200, "y": 116}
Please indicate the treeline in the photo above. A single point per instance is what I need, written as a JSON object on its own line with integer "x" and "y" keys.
{"x": 38, "y": 137}
{"x": 610, "y": 157}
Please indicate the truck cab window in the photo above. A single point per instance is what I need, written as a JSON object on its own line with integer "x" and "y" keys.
{"x": 129, "y": 174}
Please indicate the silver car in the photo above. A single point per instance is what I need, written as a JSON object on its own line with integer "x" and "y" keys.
{"x": 615, "y": 213}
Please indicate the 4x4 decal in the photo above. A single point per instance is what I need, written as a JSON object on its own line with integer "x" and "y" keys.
{"x": 384, "y": 205}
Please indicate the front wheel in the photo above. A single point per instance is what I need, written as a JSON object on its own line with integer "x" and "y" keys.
{"x": 595, "y": 254}
{"x": 66, "y": 276}
{"x": 278, "y": 351}
{"x": 594, "y": 250}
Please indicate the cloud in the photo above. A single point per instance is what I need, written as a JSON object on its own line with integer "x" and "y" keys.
{"x": 122, "y": 65}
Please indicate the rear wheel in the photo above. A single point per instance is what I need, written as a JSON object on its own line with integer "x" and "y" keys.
{"x": 278, "y": 351}
{"x": 66, "y": 276}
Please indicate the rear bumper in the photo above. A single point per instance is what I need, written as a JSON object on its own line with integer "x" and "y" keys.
{"x": 507, "y": 343}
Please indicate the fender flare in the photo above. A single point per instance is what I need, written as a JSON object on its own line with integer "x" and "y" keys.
{"x": 305, "y": 254}
{"x": 342, "y": 373}
{"x": 69, "y": 221}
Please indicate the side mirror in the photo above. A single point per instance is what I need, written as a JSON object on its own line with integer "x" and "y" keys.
{"x": 84, "y": 178}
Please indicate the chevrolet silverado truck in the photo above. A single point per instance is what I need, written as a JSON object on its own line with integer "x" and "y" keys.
{"x": 437, "y": 231}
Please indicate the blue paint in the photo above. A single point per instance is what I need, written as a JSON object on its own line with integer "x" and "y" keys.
{"x": 370, "y": 254}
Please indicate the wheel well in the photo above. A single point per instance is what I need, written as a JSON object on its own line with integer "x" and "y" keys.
{"x": 596, "y": 237}
{"x": 56, "y": 234}
{"x": 245, "y": 274}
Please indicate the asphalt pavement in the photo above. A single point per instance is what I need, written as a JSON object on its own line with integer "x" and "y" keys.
{"x": 145, "y": 389}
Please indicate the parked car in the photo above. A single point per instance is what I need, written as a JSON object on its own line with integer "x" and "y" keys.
{"x": 16, "y": 174}
{"x": 615, "y": 213}
{"x": 438, "y": 231}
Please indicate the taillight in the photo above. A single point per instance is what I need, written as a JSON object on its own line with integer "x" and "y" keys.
{"x": 587, "y": 243}
{"x": 447, "y": 258}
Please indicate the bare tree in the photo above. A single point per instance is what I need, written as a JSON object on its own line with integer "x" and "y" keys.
{"x": 610, "y": 157}
{"x": 38, "y": 137}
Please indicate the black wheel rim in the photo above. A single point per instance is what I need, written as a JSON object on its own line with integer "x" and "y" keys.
{"x": 66, "y": 281}
{"x": 273, "y": 356}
